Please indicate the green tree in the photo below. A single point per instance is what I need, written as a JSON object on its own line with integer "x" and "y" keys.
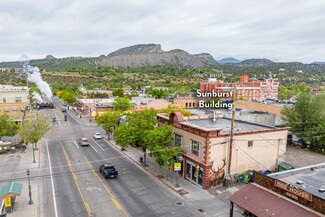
{"x": 121, "y": 104}
{"x": 118, "y": 92}
{"x": 158, "y": 93}
{"x": 170, "y": 108}
{"x": 306, "y": 118}
{"x": 69, "y": 97}
{"x": 123, "y": 136}
{"x": 133, "y": 132}
{"x": 7, "y": 126}
{"x": 159, "y": 141}
{"x": 34, "y": 128}
{"x": 108, "y": 121}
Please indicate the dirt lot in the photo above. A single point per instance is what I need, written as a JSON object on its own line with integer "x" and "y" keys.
{"x": 298, "y": 157}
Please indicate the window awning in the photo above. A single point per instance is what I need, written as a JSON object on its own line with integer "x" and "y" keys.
{"x": 11, "y": 189}
{"x": 264, "y": 204}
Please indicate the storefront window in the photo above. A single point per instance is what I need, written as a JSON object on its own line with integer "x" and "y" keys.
{"x": 188, "y": 170}
{"x": 194, "y": 173}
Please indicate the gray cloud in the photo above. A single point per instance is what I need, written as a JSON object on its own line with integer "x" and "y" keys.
{"x": 281, "y": 30}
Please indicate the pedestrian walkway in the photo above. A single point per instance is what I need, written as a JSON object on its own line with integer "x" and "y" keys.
{"x": 207, "y": 203}
{"x": 13, "y": 169}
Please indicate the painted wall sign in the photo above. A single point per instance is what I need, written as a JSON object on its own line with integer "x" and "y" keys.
{"x": 293, "y": 189}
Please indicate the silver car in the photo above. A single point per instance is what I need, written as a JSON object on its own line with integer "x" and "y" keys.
{"x": 84, "y": 142}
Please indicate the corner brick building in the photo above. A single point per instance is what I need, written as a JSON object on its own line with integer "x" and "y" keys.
{"x": 205, "y": 145}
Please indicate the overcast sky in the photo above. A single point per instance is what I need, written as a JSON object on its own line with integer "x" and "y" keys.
{"x": 280, "y": 30}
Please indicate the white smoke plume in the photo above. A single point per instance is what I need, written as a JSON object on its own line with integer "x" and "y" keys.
{"x": 33, "y": 75}
{"x": 37, "y": 97}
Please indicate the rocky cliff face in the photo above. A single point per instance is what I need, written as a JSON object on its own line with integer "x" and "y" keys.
{"x": 152, "y": 55}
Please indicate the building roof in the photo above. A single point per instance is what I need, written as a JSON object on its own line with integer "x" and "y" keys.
{"x": 312, "y": 177}
{"x": 11, "y": 189}
{"x": 225, "y": 124}
{"x": 263, "y": 203}
{"x": 13, "y": 88}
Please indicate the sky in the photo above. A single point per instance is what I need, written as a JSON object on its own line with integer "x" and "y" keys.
{"x": 279, "y": 30}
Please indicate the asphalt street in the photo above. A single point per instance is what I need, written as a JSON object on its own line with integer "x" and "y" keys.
{"x": 72, "y": 185}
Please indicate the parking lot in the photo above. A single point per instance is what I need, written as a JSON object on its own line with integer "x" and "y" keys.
{"x": 298, "y": 157}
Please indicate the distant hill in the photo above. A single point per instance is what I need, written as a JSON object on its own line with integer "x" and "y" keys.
{"x": 322, "y": 63}
{"x": 132, "y": 56}
{"x": 255, "y": 62}
{"x": 228, "y": 60}
{"x": 152, "y": 55}
{"x": 50, "y": 57}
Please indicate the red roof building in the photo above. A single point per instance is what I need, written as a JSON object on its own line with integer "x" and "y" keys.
{"x": 247, "y": 88}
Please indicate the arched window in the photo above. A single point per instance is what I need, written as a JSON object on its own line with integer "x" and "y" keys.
{"x": 4, "y": 99}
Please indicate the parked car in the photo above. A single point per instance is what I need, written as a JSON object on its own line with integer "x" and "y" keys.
{"x": 265, "y": 172}
{"x": 97, "y": 136}
{"x": 108, "y": 170}
{"x": 84, "y": 142}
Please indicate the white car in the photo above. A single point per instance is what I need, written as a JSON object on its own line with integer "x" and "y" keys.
{"x": 83, "y": 142}
{"x": 97, "y": 136}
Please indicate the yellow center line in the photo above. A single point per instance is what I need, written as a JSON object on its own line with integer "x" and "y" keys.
{"x": 75, "y": 180}
{"x": 106, "y": 189}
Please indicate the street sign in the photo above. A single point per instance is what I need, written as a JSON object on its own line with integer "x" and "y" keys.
{"x": 7, "y": 202}
{"x": 177, "y": 166}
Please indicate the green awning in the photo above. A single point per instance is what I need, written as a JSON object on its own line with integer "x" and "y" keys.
{"x": 11, "y": 189}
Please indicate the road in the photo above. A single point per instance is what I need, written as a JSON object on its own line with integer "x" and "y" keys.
{"x": 72, "y": 185}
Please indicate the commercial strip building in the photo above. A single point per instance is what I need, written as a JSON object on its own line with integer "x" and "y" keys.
{"x": 298, "y": 192}
{"x": 247, "y": 88}
{"x": 14, "y": 101}
{"x": 205, "y": 145}
{"x": 92, "y": 107}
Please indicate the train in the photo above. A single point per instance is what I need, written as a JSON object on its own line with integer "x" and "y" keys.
{"x": 44, "y": 106}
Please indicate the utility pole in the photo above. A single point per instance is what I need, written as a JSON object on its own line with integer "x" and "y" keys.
{"x": 228, "y": 176}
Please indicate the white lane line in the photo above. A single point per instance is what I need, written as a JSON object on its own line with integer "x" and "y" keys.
{"x": 98, "y": 144}
{"x": 93, "y": 147}
{"x": 57, "y": 118}
{"x": 75, "y": 143}
{"x": 53, "y": 190}
{"x": 72, "y": 115}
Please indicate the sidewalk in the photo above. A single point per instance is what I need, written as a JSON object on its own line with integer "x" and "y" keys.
{"x": 211, "y": 205}
{"x": 15, "y": 167}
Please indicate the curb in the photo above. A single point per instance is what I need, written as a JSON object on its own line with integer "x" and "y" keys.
{"x": 143, "y": 168}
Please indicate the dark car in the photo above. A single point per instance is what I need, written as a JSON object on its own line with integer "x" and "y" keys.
{"x": 108, "y": 170}
{"x": 265, "y": 172}
{"x": 64, "y": 110}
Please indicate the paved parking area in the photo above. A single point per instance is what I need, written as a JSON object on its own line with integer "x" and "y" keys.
{"x": 298, "y": 157}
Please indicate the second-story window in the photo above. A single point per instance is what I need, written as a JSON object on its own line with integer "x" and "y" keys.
{"x": 178, "y": 140}
{"x": 18, "y": 99}
{"x": 195, "y": 147}
{"x": 4, "y": 99}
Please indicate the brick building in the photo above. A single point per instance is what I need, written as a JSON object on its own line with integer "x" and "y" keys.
{"x": 14, "y": 101}
{"x": 247, "y": 88}
{"x": 205, "y": 146}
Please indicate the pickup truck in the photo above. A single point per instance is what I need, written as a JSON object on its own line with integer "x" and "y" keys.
{"x": 108, "y": 170}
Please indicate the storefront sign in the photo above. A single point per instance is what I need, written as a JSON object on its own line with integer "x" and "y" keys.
{"x": 293, "y": 189}
{"x": 177, "y": 166}
{"x": 7, "y": 202}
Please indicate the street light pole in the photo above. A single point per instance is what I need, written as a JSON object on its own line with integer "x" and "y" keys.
{"x": 177, "y": 185}
{"x": 29, "y": 188}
